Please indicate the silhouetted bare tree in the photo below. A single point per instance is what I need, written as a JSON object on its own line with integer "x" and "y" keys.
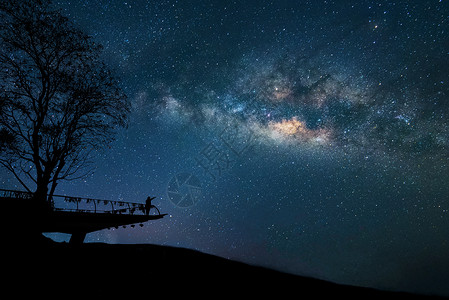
{"x": 59, "y": 103}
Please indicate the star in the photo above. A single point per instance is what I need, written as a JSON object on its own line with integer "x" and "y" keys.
{"x": 316, "y": 133}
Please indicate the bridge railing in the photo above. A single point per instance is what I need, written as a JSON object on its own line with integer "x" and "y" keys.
{"x": 86, "y": 205}
{"x": 15, "y": 194}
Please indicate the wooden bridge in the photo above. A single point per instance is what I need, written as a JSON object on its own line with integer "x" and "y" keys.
{"x": 73, "y": 215}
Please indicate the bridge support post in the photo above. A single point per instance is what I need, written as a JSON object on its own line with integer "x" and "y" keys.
{"x": 77, "y": 238}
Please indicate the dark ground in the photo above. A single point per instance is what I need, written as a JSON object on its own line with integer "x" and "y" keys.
{"x": 42, "y": 267}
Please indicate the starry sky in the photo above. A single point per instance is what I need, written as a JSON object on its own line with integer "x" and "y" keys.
{"x": 307, "y": 136}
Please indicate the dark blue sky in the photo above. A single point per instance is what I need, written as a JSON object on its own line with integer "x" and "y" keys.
{"x": 307, "y": 136}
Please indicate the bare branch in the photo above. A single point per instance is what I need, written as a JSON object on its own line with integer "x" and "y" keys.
{"x": 59, "y": 101}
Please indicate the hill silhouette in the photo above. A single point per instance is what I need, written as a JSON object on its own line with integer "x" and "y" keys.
{"x": 44, "y": 267}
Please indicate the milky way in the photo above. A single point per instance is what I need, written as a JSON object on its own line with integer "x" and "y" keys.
{"x": 307, "y": 136}
{"x": 290, "y": 100}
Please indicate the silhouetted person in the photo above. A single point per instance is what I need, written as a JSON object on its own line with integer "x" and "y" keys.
{"x": 148, "y": 205}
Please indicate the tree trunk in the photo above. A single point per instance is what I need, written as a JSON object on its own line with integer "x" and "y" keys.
{"x": 40, "y": 198}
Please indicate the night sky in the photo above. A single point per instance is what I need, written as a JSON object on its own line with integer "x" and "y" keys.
{"x": 307, "y": 136}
